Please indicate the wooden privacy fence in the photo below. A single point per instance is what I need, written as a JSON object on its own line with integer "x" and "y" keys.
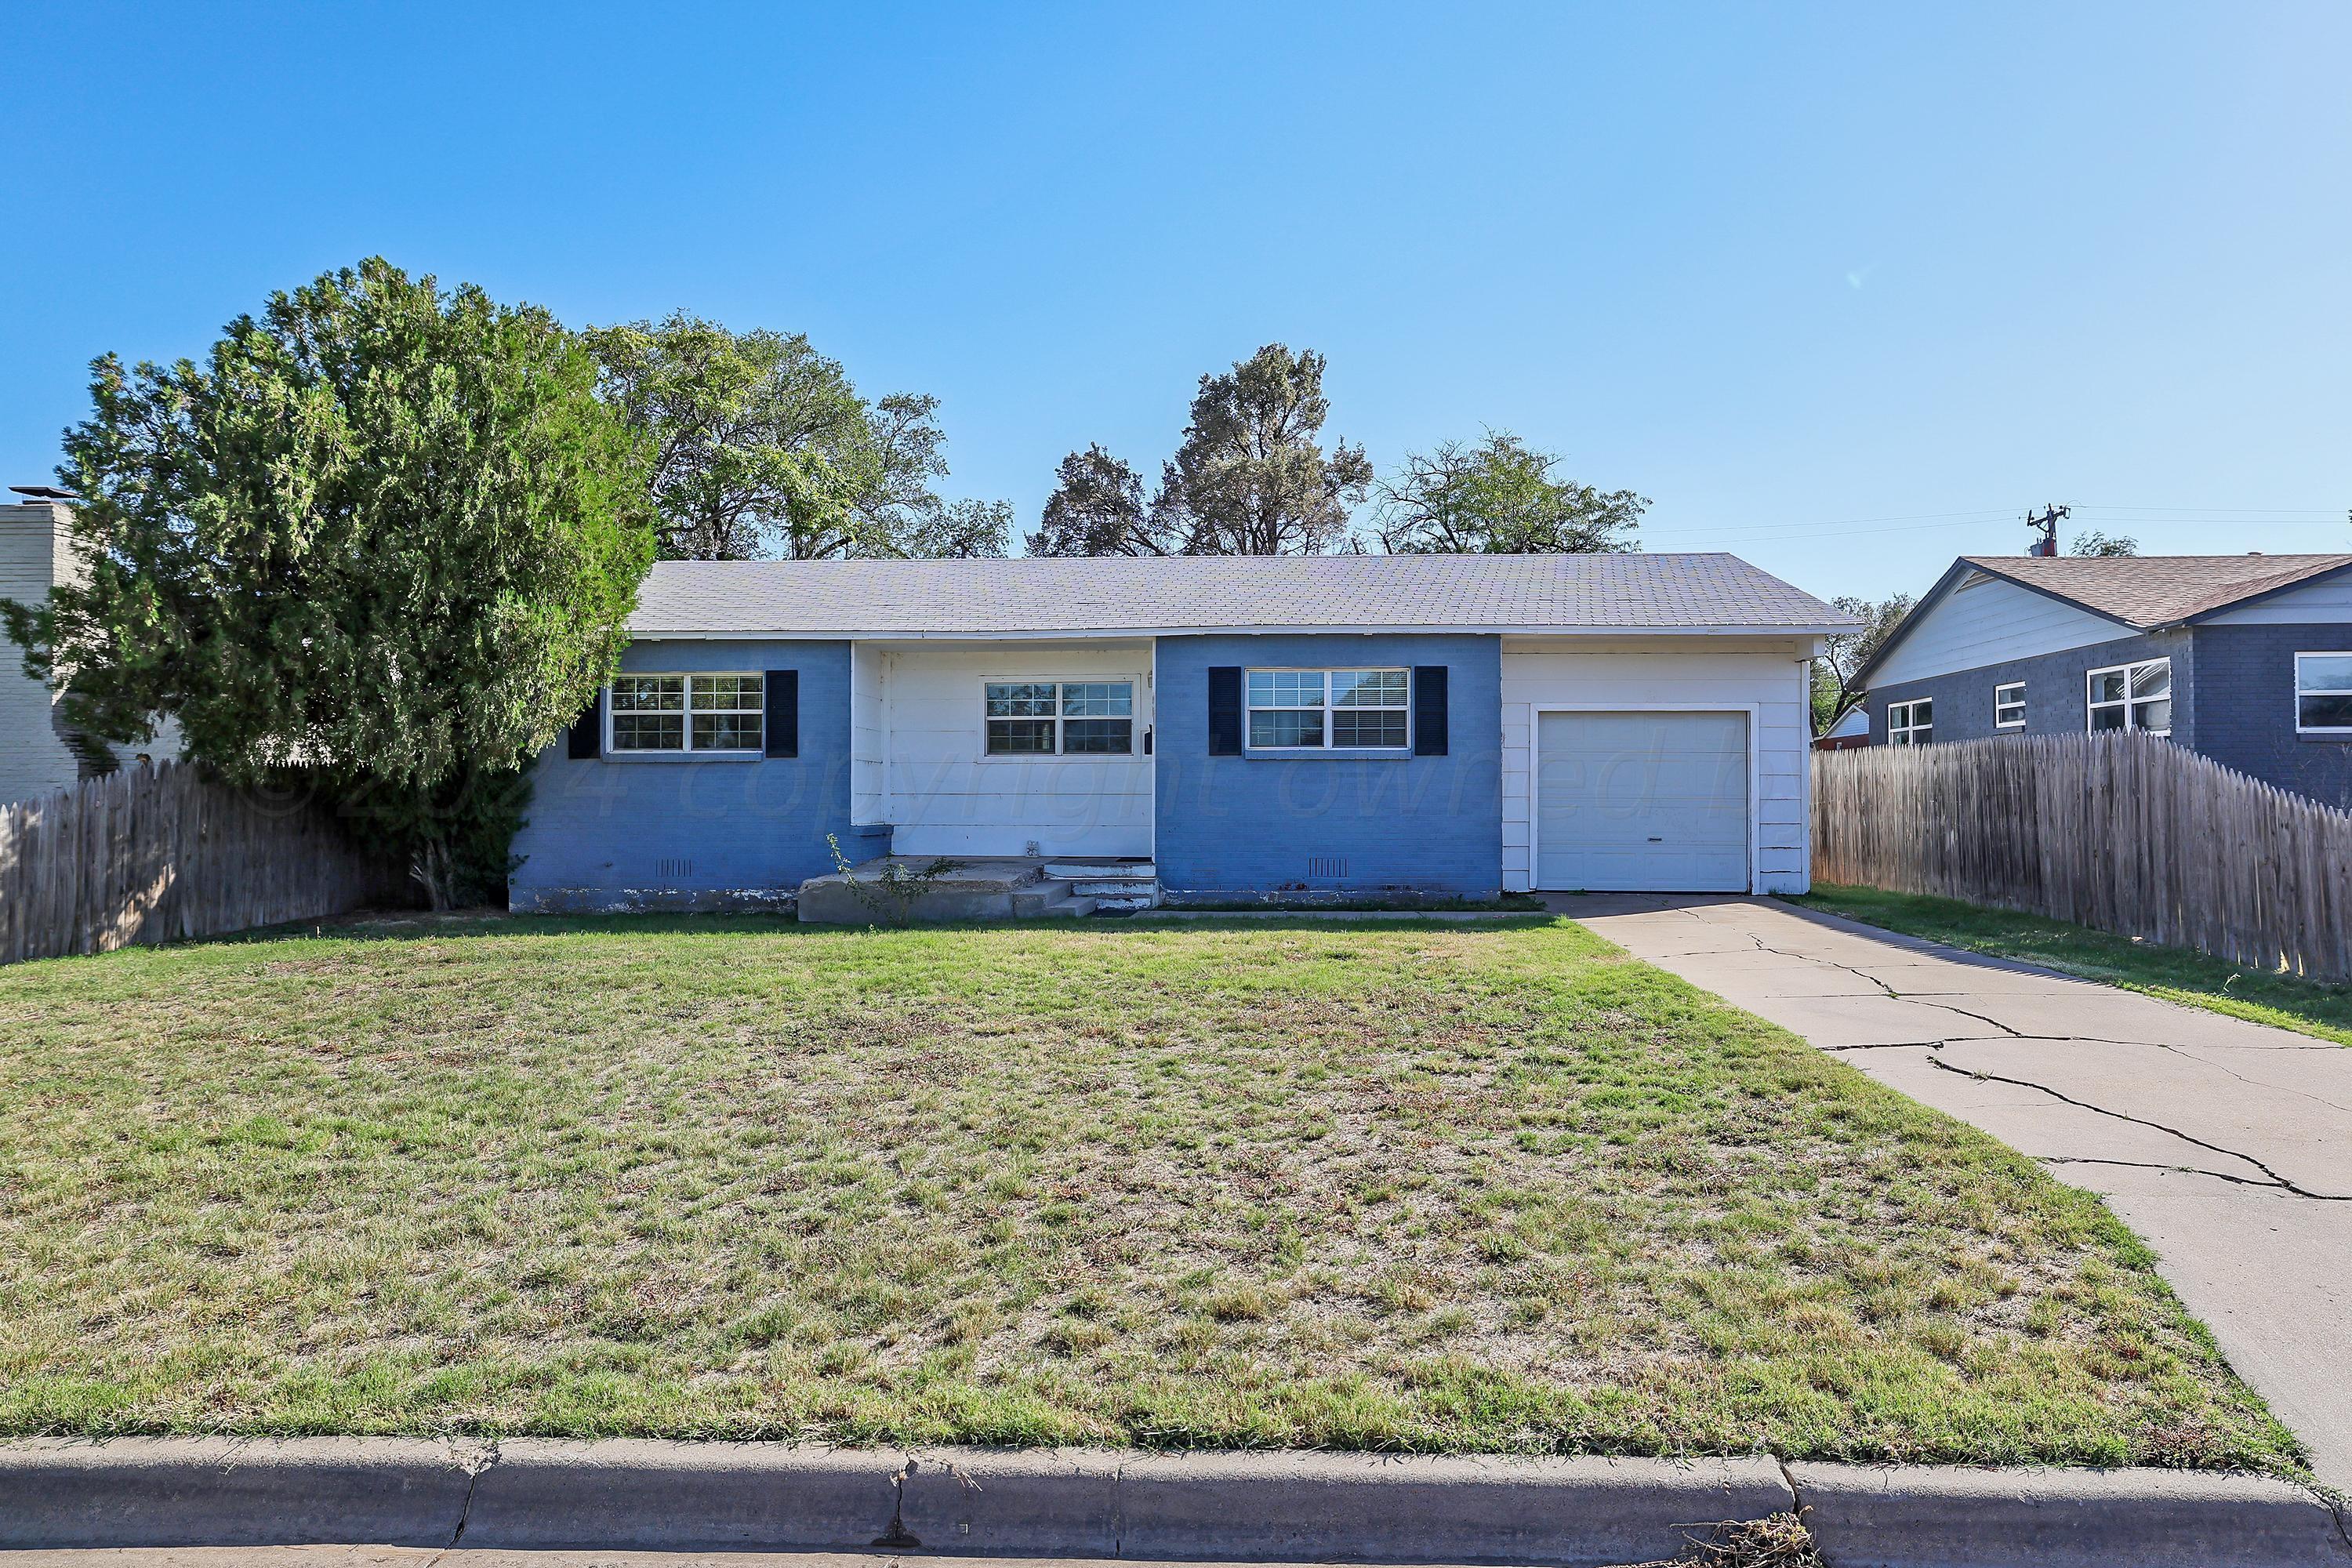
{"x": 2123, "y": 832}
{"x": 150, "y": 855}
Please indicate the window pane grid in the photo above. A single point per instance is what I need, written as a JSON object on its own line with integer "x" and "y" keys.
{"x": 2323, "y": 691}
{"x": 689, "y": 712}
{"x": 2131, "y": 697}
{"x": 1047, "y": 717}
{"x": 1911, "y": 723}
{"x": 1354, "y": 709}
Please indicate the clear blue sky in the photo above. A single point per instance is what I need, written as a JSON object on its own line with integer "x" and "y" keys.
{"x": 1843, "y": 288}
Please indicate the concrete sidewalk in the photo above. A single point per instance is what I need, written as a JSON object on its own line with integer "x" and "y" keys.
{"x": 2227, "y": 1145}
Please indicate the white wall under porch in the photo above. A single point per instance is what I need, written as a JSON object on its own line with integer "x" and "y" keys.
{"x": 918, "y": 758}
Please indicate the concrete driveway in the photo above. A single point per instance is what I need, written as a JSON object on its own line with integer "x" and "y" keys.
{"x": 2226, "y": 1145}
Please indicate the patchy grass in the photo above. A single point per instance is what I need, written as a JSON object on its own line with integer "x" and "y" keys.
{"x": 1395, "y": 1187}
{"x": 2175, "y": 973}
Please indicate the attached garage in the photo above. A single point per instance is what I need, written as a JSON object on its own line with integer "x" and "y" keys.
{"x": 1641, "y": 801}
{"x": 1656, "y": 764}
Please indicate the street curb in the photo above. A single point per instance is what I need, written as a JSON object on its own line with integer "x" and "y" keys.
{"x": 623, "y": 1494}
{"x": 230, "y": 1492}
{"x": 1934, "y": 1517}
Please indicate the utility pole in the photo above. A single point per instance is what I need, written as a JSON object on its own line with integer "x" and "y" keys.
{"x": 2048, "y": 523}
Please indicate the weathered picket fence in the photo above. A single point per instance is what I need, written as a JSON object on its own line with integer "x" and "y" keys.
{"x": 158, "y": 853}
{"x": 2124, "y": 832}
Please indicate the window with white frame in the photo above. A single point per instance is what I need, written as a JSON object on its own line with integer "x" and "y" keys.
{"x": 1911, "y": 723}
{"x": 2008, "y": 706}
{"x": 687, "y": 713}
{"x": 1059, "y": 718}
{"x": 2131, "y": 697}
{"x": 1335, "y": 709}
{"x": 2323, "y": 694}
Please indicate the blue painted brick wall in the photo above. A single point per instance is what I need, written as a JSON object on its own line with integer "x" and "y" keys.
{"x": 2054, "y": 690}
{"x": 607, "y": 825}
{"x": 2245, "y": 707}
{"x": 1249, "y": 824}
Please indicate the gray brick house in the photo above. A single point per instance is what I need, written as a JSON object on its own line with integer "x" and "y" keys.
{"x": 2245, "y": 658}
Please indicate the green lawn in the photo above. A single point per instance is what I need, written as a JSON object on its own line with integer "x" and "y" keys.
{"x": 2175, "y": 973}
{"x": 1395, "y": 1186}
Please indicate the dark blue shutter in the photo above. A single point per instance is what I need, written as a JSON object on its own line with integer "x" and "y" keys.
{"x": 784, "y": 712}
{"x": 1224, "y": 711}
{"x": 587, "y": 739}
{"x": 1428, "y": 710}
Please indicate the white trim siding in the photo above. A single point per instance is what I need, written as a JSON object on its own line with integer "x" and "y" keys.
{"x": 1987, "y": 621}
{"x": 1764, "y": 679}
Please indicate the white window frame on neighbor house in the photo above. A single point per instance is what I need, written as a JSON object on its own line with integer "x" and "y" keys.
{"x": 693, "y": 684}
{"x": 2302, "y": 692}
{"x": 2094, "y": 705}
{"x": 2003, "y": 703}
{"x": 1911, "y": 723}
{"x": 1327, "y": 707}
{"x": 1060, "y": 718}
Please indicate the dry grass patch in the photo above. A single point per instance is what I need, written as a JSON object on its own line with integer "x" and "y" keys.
{"x": 1396, "y": 1187}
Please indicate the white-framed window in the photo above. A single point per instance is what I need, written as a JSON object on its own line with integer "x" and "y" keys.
{"x": 1911, "y": 723}
{"x": 1058, "y": 718}
{"x": 2008, "y": 706}
{"x": 687, "y": 713}
{"x": 2131, "y": 697}
{"x": 2323, "y": 694}
{"x": 1328, "y": 710}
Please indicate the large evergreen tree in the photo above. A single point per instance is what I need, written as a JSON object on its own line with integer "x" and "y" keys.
{"x": 384, "y": 538}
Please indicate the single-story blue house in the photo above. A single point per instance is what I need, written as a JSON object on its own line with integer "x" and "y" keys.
{"x": 2245, "y": 658}
{"x": 1241, "y": 726}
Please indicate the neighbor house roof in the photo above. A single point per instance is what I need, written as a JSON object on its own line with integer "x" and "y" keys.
{"x": 1117, "y": 594}
{"x": 2149, "y": 591}
{"x": 2139, "y": 593}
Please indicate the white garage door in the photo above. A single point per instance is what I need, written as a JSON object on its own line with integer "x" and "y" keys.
{"x": 1641, "y": 802}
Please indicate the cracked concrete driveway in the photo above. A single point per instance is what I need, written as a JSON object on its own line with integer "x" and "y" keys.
{"x": 2227, "y": 1145}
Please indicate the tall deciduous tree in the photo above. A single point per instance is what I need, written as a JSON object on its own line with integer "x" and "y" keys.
{"x": 763, "y": 446}
{"x": 1498, "y": 496}
{"x": 1250, "y": 476}
{"x": 1846, "y": 652}
{"x": 1098, "y": 509}
{"x": 385, "y": 538}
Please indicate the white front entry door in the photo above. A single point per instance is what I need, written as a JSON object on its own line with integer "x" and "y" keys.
{"x": 1641, "y": 802}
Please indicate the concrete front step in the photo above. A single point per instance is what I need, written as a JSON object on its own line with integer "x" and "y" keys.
{"x": 1096, "y": 870}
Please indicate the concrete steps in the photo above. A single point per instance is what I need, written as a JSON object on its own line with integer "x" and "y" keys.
{"x": 1000, "y": 890}
{"x": 1111, "y": 884}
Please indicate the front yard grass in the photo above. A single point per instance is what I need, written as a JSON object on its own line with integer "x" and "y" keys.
{"x": 1395, "y": 1187}
{"x": 2176, "y": 974}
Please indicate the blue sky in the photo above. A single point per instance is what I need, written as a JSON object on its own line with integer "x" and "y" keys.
{"x": 1843, "y": 288}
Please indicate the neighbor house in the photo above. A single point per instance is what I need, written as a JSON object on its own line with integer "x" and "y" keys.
{"x": 2245, "y": 658}
{"x": 1241, "y": 726}
{"x": 39, "y": 756}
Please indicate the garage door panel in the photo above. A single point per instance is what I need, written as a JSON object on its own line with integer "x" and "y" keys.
{"x": 1637, "y": 801}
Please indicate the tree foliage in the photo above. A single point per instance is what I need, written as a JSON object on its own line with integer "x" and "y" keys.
{"x": 1498, "y": 496}
{"x": 2094, "y": 543}
{"x": 1834, "y": 693}
{"x": 384, "y": 540}
{"x": 762, "y": 446}
{"x": 1250, "y": 476}
{"x": 1098, "y": 509}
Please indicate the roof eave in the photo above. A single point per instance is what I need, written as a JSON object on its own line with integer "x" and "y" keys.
{"x": 1944, "y": 585}
{"x": 786, "y": 634}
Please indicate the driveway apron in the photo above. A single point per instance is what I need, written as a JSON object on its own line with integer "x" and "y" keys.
{"x": 2227, "y": 1145}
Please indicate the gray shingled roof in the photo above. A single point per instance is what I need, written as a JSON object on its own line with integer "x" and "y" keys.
{"x": 2151, "y": 591}
{"x": 1211, "y": 592}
